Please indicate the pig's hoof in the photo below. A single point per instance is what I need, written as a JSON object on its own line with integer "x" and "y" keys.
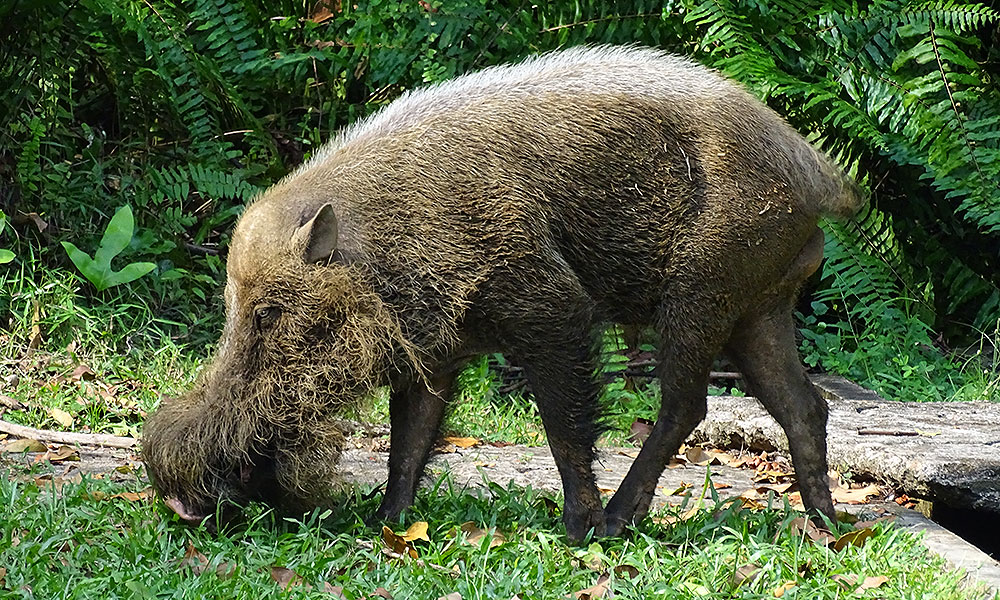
{"x": 616, "y": 526}
{"x": 579, "y": 525}
{"x": 387, "y": 513}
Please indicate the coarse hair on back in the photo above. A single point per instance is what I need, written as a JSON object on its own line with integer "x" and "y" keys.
{"x": 633, "y": 70}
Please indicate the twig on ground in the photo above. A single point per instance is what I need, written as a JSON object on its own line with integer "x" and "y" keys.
{"x": 10, "y": 403}
{"x": 61, "y": 437}
{"x": 892, "y": 432}
{"x": 201, "y": 250}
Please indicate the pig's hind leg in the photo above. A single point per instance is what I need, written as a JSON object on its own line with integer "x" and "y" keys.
{"x": 763, "y": 347}
{"x": 691, "y": 336}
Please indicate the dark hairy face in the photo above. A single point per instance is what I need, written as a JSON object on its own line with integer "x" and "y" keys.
{"x": 301, "y": 343}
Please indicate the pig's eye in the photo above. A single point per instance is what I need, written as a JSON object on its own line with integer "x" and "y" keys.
{"x": 266, "y": 316}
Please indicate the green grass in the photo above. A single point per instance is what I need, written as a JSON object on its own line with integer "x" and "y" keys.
{"x": 71, "y": 545}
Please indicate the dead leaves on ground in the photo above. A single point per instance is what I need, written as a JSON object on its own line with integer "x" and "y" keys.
{"x": 55, "y": 453}
{"x": 199, "y": 563}
{"x": 602, "y": 588}
{"x": 474, "y": 535}
{"x": 62, "y": 375}
{"x": 397, "y": 544}
{"x": 850, "y": 582}
{"x": 804, "y": 527}
{"x": 24, "y": 445}
{"x": 772, "y": 474}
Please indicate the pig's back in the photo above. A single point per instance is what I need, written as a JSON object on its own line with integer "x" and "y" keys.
{"x": 617, "y": 159}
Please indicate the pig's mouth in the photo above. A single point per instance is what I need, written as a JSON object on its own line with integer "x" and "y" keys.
{"x": 245, "y": 482}
{"x": 187, "y": 515}
{"x": 253, "y": 479}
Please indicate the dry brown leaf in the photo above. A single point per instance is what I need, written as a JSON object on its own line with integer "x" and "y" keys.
{"x": 397, "y": 544}
{"x": 474, "y": 535}
{"x": 336, "y": 591}
{"x": 725, "y": 458}
{"x": 640, "y": 430}
{"x": 35, "y": 218}
{"x": 772, "y": 475}
{"x": 777, "y": 488}
{"x": 857, "y": 538}
{"x": 721, "y": 486}
{"x": 697, "y": 456}
{"x": 846, "y": 581}
{"x": 451, "y": 596}
{"x": 285, "y": 577}
{"x": 145, "y": 494}
{"x": 595, "y": 591}
{"x": 194, "y": 559}
{"x": 606, "y": 490}
{"x": 874, "y": 582}
{"x": 82, "y": 373}
{"x": 804, "y": 526}
{"x": 417, "y": 531}
{"x": 745, "y": 573}
{"x": 24, "y": 445}
{"x": 56, "y": 483}
{"x": 61, "y": 453}
{"x": 845, "y": 495}
{"x": 3, "y": 574}
{"x": 325, "y": 10}
{"x": 626, "y": 571}
{"x": 36, "y": 330}
{"x": 381, "y": 592}
{"x": 199, "y": 563}
{"x": 781, "y": 589}
{"x": 752, "y": 503}
{"x": 462, "y": 442}
{"x": 60, "y": 416}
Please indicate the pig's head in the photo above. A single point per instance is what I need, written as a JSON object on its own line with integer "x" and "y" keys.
{"x": 305, "y": 337}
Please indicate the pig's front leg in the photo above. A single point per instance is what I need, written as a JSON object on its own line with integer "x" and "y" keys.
{"x": 415, "y": 414}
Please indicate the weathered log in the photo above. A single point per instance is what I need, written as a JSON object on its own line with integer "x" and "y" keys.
{"x": 943, "y": 451}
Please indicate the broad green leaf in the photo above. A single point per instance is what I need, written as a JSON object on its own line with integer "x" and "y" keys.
{"x": 116, "y": 236}
{"x": 130, "y": 272}
{"x": 6, "y": 256}
{"x": 86, "y": 265}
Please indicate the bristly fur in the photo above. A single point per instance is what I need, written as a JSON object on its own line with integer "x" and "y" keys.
{"x": 515, "y": 209}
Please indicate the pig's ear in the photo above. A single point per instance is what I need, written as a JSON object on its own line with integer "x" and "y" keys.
{"x": 318, "y": 236}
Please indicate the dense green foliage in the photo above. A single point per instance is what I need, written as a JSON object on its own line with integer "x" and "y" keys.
{"x": 183, "y": 111}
